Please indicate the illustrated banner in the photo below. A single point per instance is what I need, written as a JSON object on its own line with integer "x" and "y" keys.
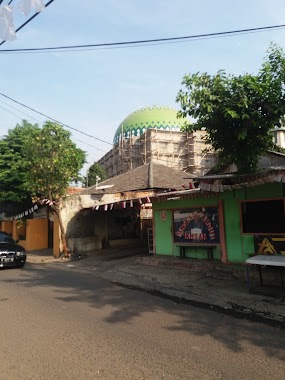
{"x": 269, "y": 245}
{"x": 196, "y": 225}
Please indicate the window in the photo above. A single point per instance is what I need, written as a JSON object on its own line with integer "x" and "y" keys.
{"x": 263, "y": 217}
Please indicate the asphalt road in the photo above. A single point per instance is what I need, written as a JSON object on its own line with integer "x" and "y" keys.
{"x": 60, "y": 324}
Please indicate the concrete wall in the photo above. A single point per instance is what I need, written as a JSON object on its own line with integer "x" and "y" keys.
{"x": 7, "y": 226}
{"x": 279, "y": 136}
{"x": 32, "y": 235}
{"x": 84, "y": 244}
{"x": 91, "y": 229}
{"x": 81, "y": 219}
{"x": 238, "y": 246}
{"x": 36, "y": 234}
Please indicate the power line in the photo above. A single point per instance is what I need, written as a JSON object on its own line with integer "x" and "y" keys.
{"x": 56, "y": 121}
{"x": 77, "y": 130}
{"x": 16, "y": 109}
{"x": 18, "y": 117}
{"x": 92, "y": 146}
{"x": 138, "y": 155}
{"x": 122, "y": 47}
{"x": 38, "y": 120}
{"x": 144, "y": 42}
{"x": 29, "y": 20}
{"x": 12, "y": 113}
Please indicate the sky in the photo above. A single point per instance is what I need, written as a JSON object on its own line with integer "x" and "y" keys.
{"x": 93, "y": 91}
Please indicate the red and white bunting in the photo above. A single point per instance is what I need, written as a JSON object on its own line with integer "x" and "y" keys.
{"x": 25, "y": 213}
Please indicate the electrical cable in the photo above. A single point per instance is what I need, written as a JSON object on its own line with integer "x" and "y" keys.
{"x": 56, "y": 121}
{"x": 143, "y": 42}
{"x": 12, "y": 113}
{"x": 120, "y": 47}
{"x": 29, "y": 20}
{"x": 16, "y": 109}
{"x": 137, "y": 154}
{"x": 39, "y": 121}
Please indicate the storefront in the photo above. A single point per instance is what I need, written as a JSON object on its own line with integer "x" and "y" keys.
{"x": 235, "y": 218}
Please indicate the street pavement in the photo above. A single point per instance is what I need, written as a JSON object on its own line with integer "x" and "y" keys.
{"x": 59, "y": 322}
{"x": 204, "y": 284}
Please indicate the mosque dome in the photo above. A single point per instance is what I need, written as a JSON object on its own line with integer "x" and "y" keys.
{"x": 157, "y": 117}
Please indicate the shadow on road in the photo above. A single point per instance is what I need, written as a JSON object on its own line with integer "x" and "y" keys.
{"x": 125, "y": 305}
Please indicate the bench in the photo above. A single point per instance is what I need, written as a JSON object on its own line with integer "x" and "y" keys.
{"x": 277, "y": 261}
{"x": 209, "y": 247}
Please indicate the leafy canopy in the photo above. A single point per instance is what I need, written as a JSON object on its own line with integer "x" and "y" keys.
{"x": 54, "y": 162}
{"x": 94, "y": 171}
{"x": 13, "y": 165}
{"x": 237, "y": 112}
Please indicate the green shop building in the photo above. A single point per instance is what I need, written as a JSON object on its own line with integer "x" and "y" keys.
{"x": 227, "y": 217}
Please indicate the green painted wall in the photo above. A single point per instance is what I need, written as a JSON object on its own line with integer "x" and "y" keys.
{"x": 238, "y": 246}
{"x": 163, "y": 233}
{"x": 163, "y": 229}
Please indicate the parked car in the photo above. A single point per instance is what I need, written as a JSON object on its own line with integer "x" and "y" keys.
{"x": 11, "y": 253}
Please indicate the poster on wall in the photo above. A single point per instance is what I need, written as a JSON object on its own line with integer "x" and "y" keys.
{"x": 269, "y": 245}
{"x": 196, "y": 225}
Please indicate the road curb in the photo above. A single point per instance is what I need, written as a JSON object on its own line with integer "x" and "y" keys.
{"x": 152, "y": 286}
{"x": 236, "y": 312}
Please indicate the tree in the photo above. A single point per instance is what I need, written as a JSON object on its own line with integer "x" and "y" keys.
{"x": 13, "y": 195}
{"x": 237, "y": 112}
{"x": 54, "y": 162}
{"x": 94, "y": 171}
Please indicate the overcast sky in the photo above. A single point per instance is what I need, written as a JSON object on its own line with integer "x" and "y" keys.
{"x": 93, "y": 91}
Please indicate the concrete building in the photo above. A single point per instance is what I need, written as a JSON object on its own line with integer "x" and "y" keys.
{"x": 154, "y": 133}
{"x": 279, "y": 136}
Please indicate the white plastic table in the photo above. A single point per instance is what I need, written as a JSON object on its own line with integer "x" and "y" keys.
{"x": 262, "y": 261}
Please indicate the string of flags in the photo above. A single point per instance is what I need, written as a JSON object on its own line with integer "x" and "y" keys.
{"x": 106, "y": 207}
{"x": 7, "y": 28}
{"x": 25, "y": 213}
{"x": 32, "y": 209}
{"x": 124, "y": 204}
{"x": 189, "y": 186}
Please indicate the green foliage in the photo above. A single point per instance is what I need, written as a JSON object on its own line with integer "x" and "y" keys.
{"x": 237, "y": 112}
{"x": 94, "y": 171}
{"x": 13, "y": 165}
{"x": 54, "y": 162}
{"x": 277, "y": 148}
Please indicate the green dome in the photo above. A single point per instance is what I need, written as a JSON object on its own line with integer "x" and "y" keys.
{"x": 145, "y": 118}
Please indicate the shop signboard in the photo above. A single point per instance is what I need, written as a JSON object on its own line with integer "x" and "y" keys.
{"x": 269, "y": 245}
{"x": 199, "y": 225}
